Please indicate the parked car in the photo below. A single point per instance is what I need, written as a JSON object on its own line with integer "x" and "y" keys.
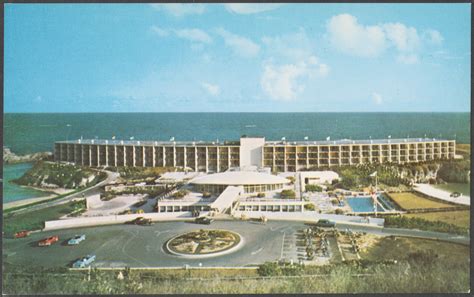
{"x": 22, "y": 234}
{"x": 325, "y": 223}
{"x": 76, "y": 239}
{"x": 48, "y": 241}
{"x": 455, "y": 194}
{"x": 140, "y": 221}
{"x": 84, "y": 262}
{"x": 203, "y": 220}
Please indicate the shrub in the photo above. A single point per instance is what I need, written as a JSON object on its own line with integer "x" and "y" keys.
{"x": 418, "y": 223}
{"x": 269, "y": 269}
{"x": 291, "y": 179}
{"x": 339, "y": 211}
{"x": 180, "y": 193}
{"x": 454, "y": 172}
{"x": 261, "y": 195}
{"x": 309, "y": 207}
{"x": 313, "y": 188}
{"x": 206, "y": 194}
{"x": 289, "y": 194}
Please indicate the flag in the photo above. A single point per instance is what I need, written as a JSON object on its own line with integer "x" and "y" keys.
{"x": 306, "y": 138}
{"x": 132, "y": 138}
{"x": 172, "y": 139}
{"x": 283, "y": 138}
{"x": 113, "y": 137}
{"x": 373, "y": 174}
{"x": 328, "y": 138}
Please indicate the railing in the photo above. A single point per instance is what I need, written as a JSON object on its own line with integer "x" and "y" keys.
{"x": 268, "y": 200}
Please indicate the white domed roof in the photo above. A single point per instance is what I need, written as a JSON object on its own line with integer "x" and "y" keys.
{"x": 237, "y": 178}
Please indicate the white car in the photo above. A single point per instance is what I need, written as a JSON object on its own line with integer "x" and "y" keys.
{"x": 76, "y": 239}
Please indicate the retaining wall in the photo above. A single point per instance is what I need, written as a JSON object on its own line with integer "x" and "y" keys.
{"x": 311, "y": 217}
{"x": 115, "y": 219}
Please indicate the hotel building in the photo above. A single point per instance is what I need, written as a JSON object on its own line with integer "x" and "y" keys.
{"x": 251, "y": 151}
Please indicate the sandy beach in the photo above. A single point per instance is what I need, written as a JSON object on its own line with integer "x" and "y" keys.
{"x": 54, "y": 193}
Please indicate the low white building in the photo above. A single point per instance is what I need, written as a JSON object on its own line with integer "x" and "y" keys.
{"x": 236, "y": 190}
{"x": 317, "y": 178}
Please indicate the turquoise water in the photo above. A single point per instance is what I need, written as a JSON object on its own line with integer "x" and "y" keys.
{"x": 26, "y": 133}
{"x": 362, "y": 204}
{"x": 13, "y": 192}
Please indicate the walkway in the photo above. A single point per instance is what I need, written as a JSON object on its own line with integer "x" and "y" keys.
{"x": 429, "y": 190}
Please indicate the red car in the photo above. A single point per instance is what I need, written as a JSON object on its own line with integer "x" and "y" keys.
{"x": 48, "y": 241}
{"x": 22, "y": 234}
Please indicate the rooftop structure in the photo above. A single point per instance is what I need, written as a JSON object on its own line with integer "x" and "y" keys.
{"x": 251, "y": 151}
{"x": 251, "y": 181}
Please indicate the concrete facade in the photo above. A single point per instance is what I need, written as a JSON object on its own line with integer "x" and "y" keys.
{"x": 278, "y": 155}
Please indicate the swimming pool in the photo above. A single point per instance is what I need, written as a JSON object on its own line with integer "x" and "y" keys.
{"x": 363, "y": 204}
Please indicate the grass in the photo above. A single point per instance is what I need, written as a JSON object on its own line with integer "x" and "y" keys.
{"x": 409, "y": 200}
{"x": 465, "y": 189}
{"x": 399, "y": 248}
{"x": 459, "y": 218}
{"x": 463, "y": 149}
{"x": 34, "y": 220}
{"x": 63, "y": 175}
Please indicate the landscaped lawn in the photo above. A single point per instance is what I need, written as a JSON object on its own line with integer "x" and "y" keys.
{"x": 33, "y": 220}
{"x": 408, "y": 200}
{"x": 465, "y": 189}
{"x": 459, "y": 218}
{"x": 399, "y": 248}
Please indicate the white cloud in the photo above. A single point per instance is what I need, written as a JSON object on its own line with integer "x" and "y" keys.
{"x": 323, "y": 69}
{"x": 291, "y": 46}
{"x": 178, "y": 10}
{"x": 292, "y": 63}
{"x": 212, "y": 89}
{"x": 248, "y": 8}
{"x": 286, "y": 82}
{"x": 347, "y": 35}
{"x": 407, "y": 59}
{"x": 196, "y": 35}
{"x": 433, "y": 36}
{"x": 159, "y": 31}
{"x": 240, "y": 45}
{"x": 377, "y": 98}
{"x": 404, "y": 38}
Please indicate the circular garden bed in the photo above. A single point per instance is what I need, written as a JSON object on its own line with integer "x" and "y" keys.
{"x": 204, "y": 243}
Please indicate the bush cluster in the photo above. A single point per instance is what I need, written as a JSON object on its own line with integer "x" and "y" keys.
{"x": 418, "y": 223}
{"x": 288, "y": 194}
{"x": 313, "y": 188}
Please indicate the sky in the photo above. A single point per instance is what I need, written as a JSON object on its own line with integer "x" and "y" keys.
{"x": 237, "y": 58}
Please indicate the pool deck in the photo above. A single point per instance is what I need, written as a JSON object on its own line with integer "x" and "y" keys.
{"x": 441, "y": 194}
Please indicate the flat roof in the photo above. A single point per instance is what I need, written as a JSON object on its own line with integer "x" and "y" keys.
{"x": 237, "y": 143}
{"x": 239, "y": 178}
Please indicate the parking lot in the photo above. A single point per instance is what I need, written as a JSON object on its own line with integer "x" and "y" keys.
{"x": 142, "y": 246}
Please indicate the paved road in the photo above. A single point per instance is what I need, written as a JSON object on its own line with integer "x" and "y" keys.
{"x": 142, "y": 246}
{"x": 111, "y": 176}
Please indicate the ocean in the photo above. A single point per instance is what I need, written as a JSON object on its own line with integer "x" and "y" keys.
{"x": 13, "y": 192}
{"x": 28, "y": 133}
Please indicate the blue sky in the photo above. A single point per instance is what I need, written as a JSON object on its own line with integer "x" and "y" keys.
{"x": 237, "y": 57}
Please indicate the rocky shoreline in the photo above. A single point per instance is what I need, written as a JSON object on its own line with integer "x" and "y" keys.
{"x": 10, "y": 157}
